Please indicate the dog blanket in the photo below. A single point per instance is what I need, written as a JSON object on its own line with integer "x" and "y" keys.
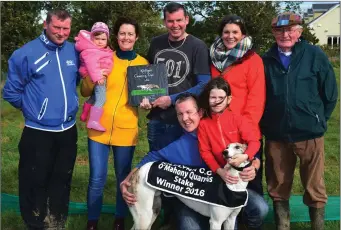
{"x": 194, "y": 183}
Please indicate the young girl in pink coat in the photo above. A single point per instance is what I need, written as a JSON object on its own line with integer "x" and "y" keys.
{"x": 96, "y": 61}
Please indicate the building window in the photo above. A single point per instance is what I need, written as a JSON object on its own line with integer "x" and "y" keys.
{"x": 333, "y": 41}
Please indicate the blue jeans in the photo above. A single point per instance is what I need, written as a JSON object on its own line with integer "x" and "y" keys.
{"x": 255, "y": 211}
{"x": 252, "y": 214}
{"x": 98, "y": 159}
{"x": 161, "y": 134}
{"x": 256, "y": 184}
{"x": 98, "y": 96}
{"x": 188, "y": 219}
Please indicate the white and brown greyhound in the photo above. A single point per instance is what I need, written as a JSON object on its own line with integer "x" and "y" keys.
{"x": 148, "y": 205}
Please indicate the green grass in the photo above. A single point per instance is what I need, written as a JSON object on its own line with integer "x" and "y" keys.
{"x": 12, "y": 124}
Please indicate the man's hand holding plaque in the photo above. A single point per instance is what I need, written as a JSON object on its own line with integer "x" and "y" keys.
{"x": 163, "y": 102}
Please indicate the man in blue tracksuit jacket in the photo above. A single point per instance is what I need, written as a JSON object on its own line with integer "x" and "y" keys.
{"x": 185, "y": 151}
{"x": 41, "y": 82}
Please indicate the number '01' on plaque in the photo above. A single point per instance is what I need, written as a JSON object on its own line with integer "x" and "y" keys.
{"x": 148, "y": 81}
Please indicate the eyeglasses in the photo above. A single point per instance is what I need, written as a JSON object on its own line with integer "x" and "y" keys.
{"x": 235, "y": 20}
{"x": 280, "y": 31}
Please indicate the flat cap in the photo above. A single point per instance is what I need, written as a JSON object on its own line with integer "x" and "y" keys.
{"x": 286, "y": 19}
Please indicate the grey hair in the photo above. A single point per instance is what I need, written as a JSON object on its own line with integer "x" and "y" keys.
{"x": 299, "y": 27}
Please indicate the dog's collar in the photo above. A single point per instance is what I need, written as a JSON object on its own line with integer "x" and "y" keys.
{"x": 241, "y": 168}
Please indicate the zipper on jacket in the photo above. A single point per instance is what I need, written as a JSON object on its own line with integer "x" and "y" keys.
{"x": 42, "y": 66}
{"x": 287, "y": 101}
{"x": 114, "y": 112}
{"x": 43, "y": 109}
{"x": 287, "y": 92}
{"x": 41, "y": 58}
{"x": 63, "y": 86}
{"x": 221, "y": 132}
{"x": 317, "y": 117}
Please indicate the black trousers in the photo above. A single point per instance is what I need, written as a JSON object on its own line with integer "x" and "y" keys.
{"x": 45, "y": 171}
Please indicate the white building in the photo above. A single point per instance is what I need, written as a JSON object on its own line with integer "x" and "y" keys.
{"x": 326, "y": 27}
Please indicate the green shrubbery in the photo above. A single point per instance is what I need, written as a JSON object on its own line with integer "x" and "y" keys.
{"x": 333, "y": 54}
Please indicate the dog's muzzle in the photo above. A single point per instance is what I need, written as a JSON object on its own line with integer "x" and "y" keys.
{"x": 226, "y": 154}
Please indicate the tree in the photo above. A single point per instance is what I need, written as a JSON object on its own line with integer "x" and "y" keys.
{"x": 20, "y": 20}
{"x": 293, "y": 7}
{"x": 257, "y": 15}
{"x": 19, "y": 24}
{"x": 85, "y": 14}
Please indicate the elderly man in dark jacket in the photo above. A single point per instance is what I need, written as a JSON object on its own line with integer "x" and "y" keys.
{"x": 301, "y": 95}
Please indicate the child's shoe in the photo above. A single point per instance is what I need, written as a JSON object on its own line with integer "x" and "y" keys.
{"x": 85, "y": 112}
{"x": 95, "y": 116}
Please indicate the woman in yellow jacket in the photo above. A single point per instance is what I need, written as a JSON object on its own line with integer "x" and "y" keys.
{"x": 120, "y": 121}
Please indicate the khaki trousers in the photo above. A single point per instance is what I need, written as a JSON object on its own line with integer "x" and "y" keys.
{"x": 280, "y": 165}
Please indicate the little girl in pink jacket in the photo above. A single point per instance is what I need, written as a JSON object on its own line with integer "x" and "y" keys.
{"x": 96, "y": 60}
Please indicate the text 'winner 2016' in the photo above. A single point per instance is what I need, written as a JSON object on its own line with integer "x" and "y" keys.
{"x": 185, "y": 179}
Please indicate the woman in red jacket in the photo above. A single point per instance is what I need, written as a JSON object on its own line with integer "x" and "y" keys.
{"x": 233, "y": 58}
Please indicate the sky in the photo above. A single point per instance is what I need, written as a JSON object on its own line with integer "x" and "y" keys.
{"x": 307, "y": 5}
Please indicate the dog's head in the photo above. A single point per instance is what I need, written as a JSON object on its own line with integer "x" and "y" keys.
{"x": 234, "y": 149}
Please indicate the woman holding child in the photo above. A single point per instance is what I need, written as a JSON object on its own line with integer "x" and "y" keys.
{"x": 120, "y": 121}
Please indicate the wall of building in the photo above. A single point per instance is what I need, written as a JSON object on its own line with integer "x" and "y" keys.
{"x": 328, "y": 25}
{"x": 308, "y": 19}
{"x": 317, "y": 14}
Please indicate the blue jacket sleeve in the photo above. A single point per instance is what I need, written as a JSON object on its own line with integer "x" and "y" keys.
{"x": 197, "y": 89}
{"x": 17, "y": 78}
{"x": 163, "y": 154}
{"x": 150, "y": 157}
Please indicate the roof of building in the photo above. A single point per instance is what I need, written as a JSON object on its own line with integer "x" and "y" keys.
{"x": 324, "y": 14}
{"x": 323, "y": 6}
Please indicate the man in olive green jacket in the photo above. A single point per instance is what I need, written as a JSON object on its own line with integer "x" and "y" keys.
{"x": 300, "y": 97}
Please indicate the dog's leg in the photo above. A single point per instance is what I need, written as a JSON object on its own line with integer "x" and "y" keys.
{"x": 230, "y": 222}
{"x": 156, "y": 208}
{"x": 142, "y": 210}
{"x": 217, "y": 216}
{"x": 145, "y": 220}
{"x": 215, "y": 224}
